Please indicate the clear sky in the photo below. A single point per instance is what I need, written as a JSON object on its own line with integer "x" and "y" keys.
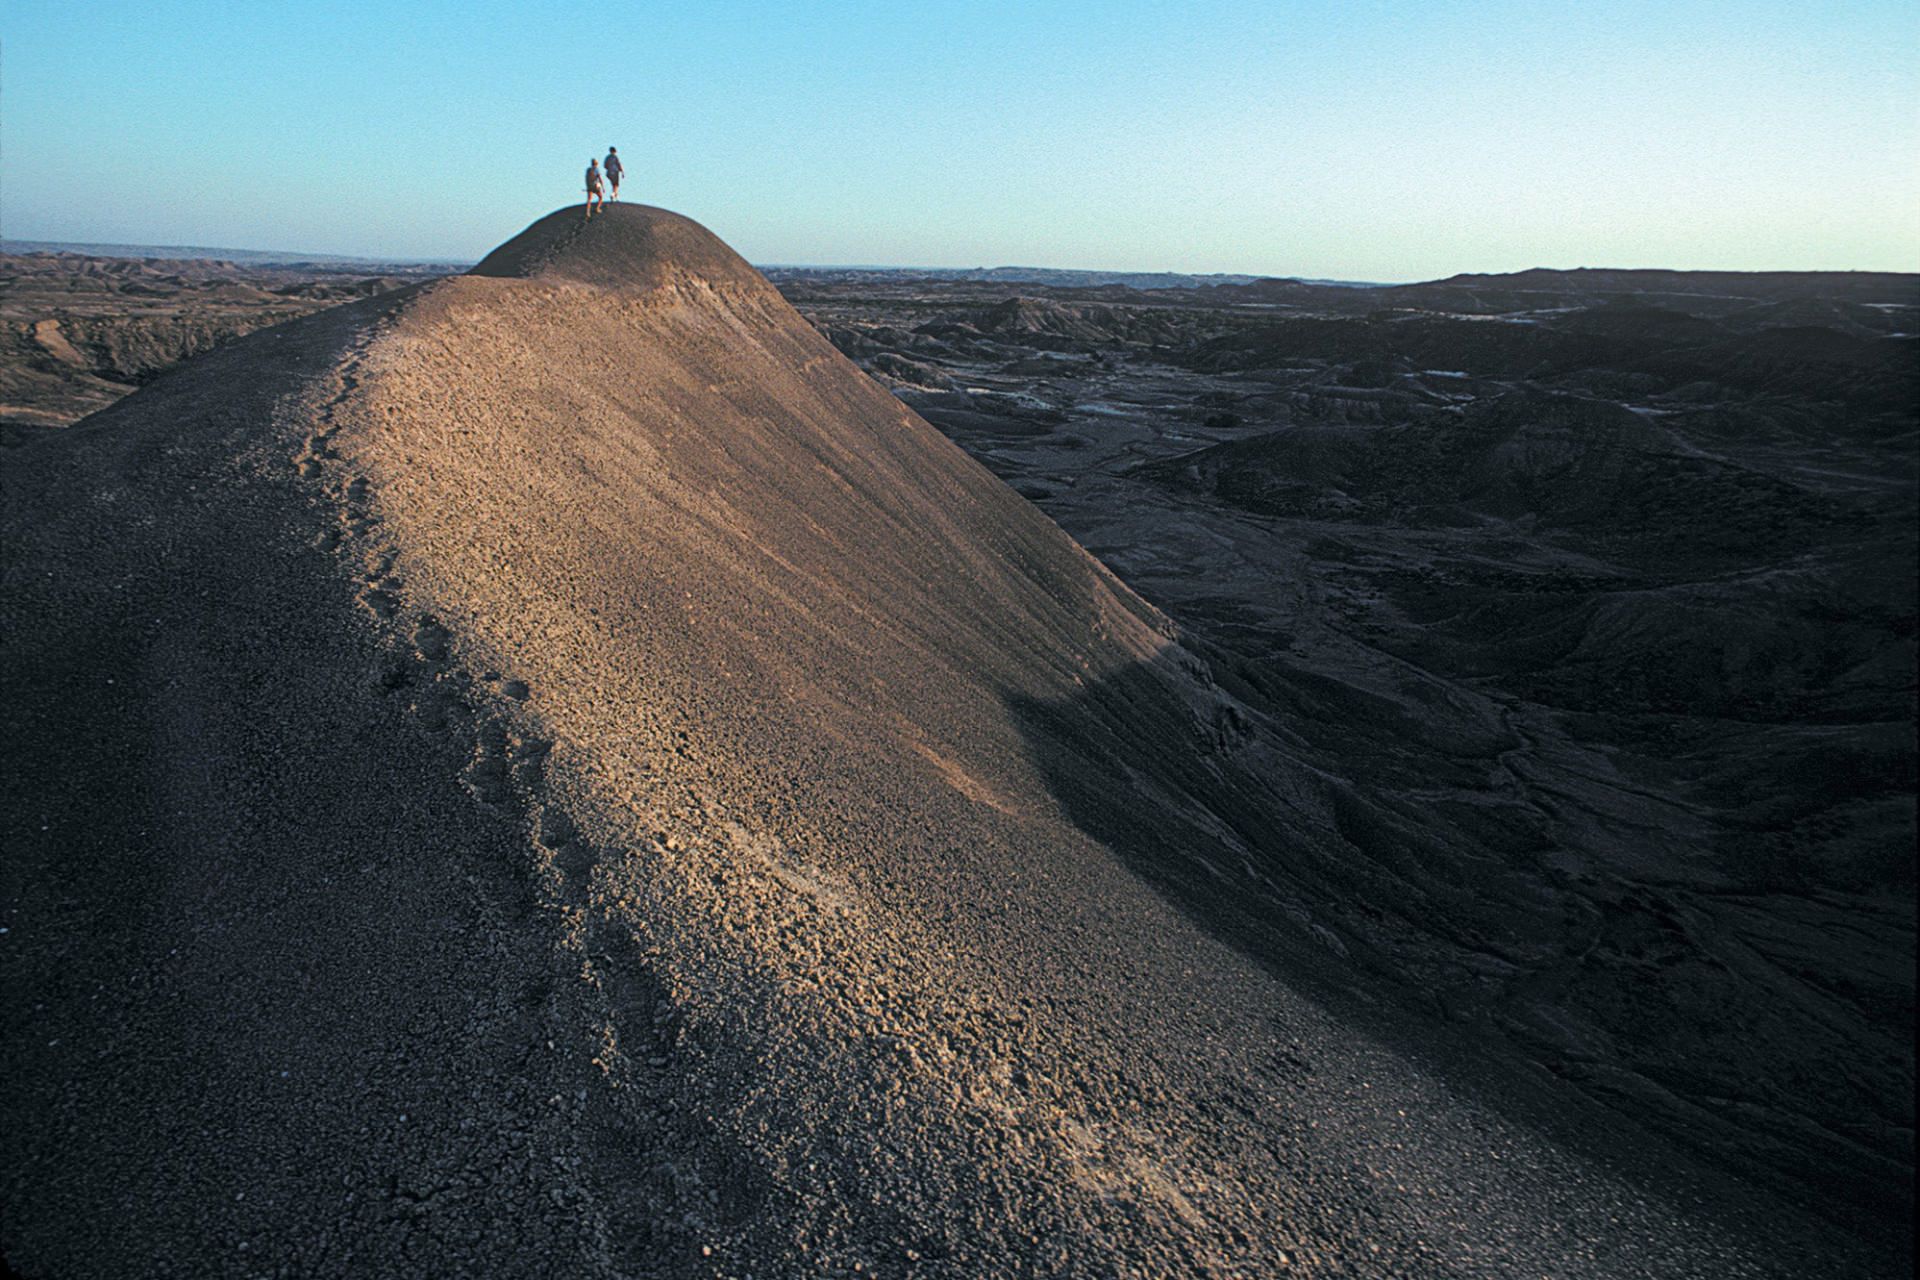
{"x": 1333, "y": 138}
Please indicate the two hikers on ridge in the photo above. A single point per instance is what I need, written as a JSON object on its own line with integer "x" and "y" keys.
{"x": 613, "y": 171}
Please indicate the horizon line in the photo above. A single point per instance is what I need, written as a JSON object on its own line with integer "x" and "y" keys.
{"x": 292, "y": 256}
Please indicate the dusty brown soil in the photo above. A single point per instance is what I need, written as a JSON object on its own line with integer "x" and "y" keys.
{"x": 555, "y": 771}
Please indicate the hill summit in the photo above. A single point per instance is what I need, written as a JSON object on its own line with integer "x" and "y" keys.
{"x": 624, "y": 246}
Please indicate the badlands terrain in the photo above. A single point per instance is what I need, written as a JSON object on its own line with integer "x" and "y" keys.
{"x": 556, "y": 771}
{"x": 82, "y": 330}
{"x": 1571, "y": 612}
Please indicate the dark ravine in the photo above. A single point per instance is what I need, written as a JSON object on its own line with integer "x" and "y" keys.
{"x": 555, "y": 771}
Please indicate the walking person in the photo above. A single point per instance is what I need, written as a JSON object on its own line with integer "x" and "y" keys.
{"x": 593, "y": 187}
{"x": 613, "y": 169}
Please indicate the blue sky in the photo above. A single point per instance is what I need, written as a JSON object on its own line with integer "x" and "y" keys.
{"x": 1378, "y": 141}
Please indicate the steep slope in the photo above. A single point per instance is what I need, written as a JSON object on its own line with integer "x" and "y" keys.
{"x": 553, "y": 771}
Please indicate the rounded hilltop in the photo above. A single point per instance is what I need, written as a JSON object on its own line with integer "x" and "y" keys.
{"x": 624, "y": 245}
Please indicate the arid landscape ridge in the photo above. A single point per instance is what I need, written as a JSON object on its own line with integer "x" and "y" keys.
{"x": 594, "y": 763}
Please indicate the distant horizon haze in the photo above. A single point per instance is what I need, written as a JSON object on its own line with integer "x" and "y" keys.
{"x": 279, "y": 256}
{"x": 1393, "y": 143}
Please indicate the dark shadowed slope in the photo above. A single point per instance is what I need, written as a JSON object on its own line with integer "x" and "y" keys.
{"x": 523, "y": 776}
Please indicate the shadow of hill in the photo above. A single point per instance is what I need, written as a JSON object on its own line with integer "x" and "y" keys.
{"x": 1440, "y": 925}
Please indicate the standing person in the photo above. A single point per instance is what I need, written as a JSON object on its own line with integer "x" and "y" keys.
{"x": 593, "y": 187}
{"x": 614, "y": 169}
